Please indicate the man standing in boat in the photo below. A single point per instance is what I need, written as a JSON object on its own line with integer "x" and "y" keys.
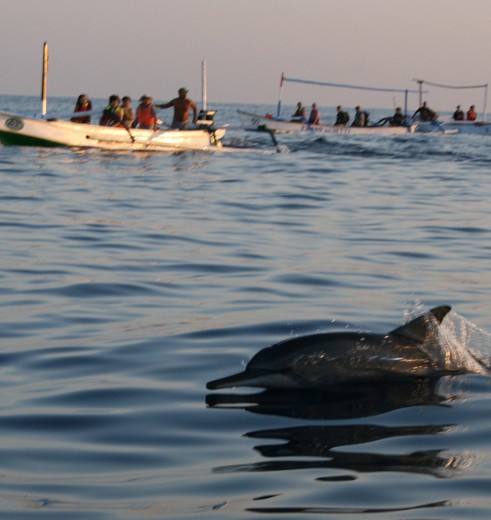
{"x": 182, "y": 108}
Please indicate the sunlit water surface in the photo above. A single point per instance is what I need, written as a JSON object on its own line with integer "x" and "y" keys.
{"x": 130, "y": 280}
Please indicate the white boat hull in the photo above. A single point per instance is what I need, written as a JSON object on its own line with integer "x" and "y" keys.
{"x": 257, "y": 122}
{"x": 16, "y": 129}
{"x": 455, "y": 127}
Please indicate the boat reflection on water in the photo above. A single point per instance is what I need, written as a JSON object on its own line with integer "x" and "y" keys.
{"x": 318, "y": 446}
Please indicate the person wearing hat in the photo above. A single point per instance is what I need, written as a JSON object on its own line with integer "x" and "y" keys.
{"x": 146, "y": 116}
{"x": 182, "y": 108}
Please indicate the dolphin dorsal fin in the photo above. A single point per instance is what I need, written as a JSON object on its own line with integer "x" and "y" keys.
{"x": 419, "y": 328}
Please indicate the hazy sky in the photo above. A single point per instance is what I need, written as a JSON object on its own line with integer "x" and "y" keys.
{"x": 156, "y": 46}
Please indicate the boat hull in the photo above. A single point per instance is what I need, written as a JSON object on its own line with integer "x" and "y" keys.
{"x": 257, "y": 122}
{"x": 26, "y": 131}
{"x": 456, "y": 127}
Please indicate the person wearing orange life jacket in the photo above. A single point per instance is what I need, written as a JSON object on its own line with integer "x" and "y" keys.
{"x": 113, "y": 114}
{"x": 146, "y": 115}
{"x": 471, "y": 113}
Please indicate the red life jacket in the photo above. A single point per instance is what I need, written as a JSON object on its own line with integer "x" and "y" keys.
{"x": 146, "y": 116}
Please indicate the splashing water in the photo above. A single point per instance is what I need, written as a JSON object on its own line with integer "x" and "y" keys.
{"x": 464, "y": 345}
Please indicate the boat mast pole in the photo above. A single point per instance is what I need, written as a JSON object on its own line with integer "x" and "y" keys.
{"x": 420, "y": 81}
{"x": 44, "y": 81}
{"x": 485, "y": 111}
{"x": 203, "y": 84}
{"x": 278, "y": 111}
{"x": 406, "y": 115}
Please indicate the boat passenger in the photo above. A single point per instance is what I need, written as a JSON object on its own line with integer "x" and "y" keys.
{"x": 425, "y": 113}
{"x": 471, "y": 114}
{"x": 360, "y": 117}
{"x": 398, "y": 118}
{"x": 342, "y": 117}
{"x": 113, "y": 113}
{"x": 315, "y": 116}
{"x": 83, "y": 104}
{"x": 128, "y": 112}
{"x": 300, "y": 114}
{"x": 146, "y": 115}
{"x": 182, "y": 108}
{"x": 458, "y": 115}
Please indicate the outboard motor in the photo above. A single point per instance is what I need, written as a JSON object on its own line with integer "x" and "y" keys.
{"x": 206, "y": 119}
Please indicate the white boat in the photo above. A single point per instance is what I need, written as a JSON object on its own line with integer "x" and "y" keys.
{"x": 20, "y": 130}
{"x": 257, "y": 122}
{"x": 480, "y": 127}
{"x": 17, "y": 129}
{"x": 277, "y": 124}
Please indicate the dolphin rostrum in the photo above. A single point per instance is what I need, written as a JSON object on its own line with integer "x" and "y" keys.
{"x": 320, "y": 361}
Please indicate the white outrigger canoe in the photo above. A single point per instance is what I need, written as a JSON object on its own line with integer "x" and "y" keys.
{"x": 29, "y": 131}
{"x": 271, "y": 124}
{"x": 45, "y": 130}
{"x": 256, "y": 122}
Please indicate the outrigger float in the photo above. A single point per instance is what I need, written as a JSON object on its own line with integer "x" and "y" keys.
{"x": 280, "y": 125}
{"x": 45, "y": 130}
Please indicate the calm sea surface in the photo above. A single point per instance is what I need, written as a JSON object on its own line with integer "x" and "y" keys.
{"x": 127, "y": 281}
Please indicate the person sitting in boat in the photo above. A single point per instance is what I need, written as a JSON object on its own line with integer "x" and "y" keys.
{"x": 315, "y": 116}
{"x": 300, "y": 114}
{"x": 182, "y": 108}
{"x": 146, "y": 115}
{"x": 425, "y": 113}
{"x": 458, "y": 115}
{"x": 113, "y": 113}
{"x": 83, "y": 104}
{"x": 398, "y": 118}
{"x": 471, "y": 114}
{"x": 128, "y": 112}
{"x": 360, "y": 118}
{"x": 342, "y": 117}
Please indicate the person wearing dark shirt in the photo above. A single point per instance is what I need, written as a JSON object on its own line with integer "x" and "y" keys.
{"x": 458, "y": 115}
{"x": 425, "y": 113}
{"x": 360, "y": 117}
{"x": 398, "y": 118}
{"x": 342, "y": 117}
{"x": 300, "y": 113}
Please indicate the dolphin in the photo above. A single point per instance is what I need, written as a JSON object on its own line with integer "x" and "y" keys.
{"x": 319, "y": 361}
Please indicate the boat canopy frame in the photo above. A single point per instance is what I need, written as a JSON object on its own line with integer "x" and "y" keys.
{"x": 406, "y": 91}
{"x": 457, "y": 87}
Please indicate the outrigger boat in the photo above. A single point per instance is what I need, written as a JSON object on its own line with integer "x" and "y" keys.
{"x": 17, "y": 129}
{"x": 278, "y": 124}
{"x": 479, "y": 127}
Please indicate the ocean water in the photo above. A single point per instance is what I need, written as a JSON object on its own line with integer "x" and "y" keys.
{"x": 127, "y": 281}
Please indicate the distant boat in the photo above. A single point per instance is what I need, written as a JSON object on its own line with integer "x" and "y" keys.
{"x": 278, "y": 124}
{"x": 22, "y": 130}
{"x": 257, "y": 122}
{"x": 479, "y": 127}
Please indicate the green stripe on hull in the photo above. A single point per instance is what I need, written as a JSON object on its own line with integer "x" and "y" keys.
{"x": 8, "y": 138}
